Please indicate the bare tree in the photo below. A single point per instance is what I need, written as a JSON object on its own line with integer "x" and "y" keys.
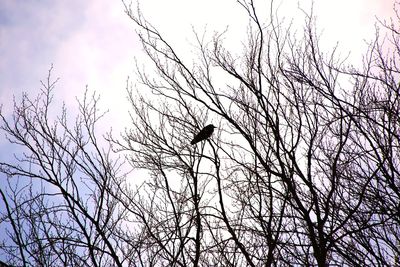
{"x": 302, "y": 169}
{"x": 58, "y": 201}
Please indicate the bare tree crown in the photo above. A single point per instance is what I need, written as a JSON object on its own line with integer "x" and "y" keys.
{"x": 303, "y": 170}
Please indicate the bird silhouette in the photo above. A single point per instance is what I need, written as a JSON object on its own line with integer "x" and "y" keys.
{"x": 205, "y": 133}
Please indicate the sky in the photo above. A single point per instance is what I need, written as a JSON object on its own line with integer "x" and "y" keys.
{"x": 93, "y": 43}
{"x": 88, "y": 42}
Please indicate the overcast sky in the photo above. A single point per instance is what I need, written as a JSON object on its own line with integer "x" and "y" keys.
{"x": 93, "y": 42}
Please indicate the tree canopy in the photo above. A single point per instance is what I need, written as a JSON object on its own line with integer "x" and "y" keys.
{"x": 302, "y": 169}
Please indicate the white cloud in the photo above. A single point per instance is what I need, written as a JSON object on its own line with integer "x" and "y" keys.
{"x": 90, "y": 43}
{"x": 93, "y": 42}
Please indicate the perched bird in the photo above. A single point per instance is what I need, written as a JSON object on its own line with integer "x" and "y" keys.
{"x": 205, "y": 133}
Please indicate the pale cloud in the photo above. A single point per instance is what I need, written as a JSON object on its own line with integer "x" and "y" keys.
{"x": 30, "y": 32}
{"x": 93, "y": 42}
{"x": 100, "y": 55}
{"x": 89, "y": 42}
{"x": 351, "y": 24}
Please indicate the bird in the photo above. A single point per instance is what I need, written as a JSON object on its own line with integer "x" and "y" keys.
{"x": 205, "y": 133}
